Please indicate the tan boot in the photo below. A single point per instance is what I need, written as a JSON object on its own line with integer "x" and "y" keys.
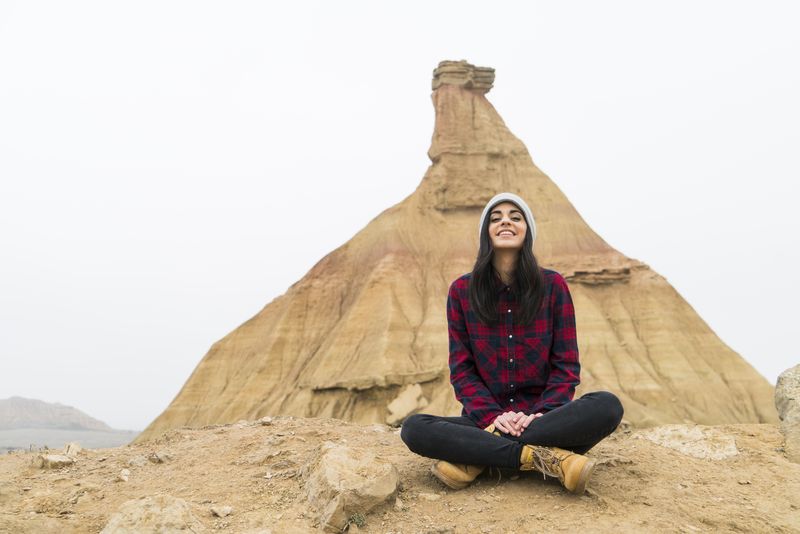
{"x": 458, "y": 476}
{"x": 572, "y": 469}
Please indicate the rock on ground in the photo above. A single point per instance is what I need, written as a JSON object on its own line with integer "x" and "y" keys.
{"x": 162, "y": 514}
{"x": 787, "y": 401}
{"x": 53, "y": 461}
{"x": 700, "y": 442}
{"x": 343, "y": 483}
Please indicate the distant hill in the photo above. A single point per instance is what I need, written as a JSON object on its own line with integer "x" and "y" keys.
{"x": 18, "y": 412}
{"x": 27, "y": 423}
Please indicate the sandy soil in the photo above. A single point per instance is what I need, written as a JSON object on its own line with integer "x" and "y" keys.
{"x": 731, "y": 478}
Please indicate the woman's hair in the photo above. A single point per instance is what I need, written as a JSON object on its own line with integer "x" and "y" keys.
{"x": 528, "y": 280}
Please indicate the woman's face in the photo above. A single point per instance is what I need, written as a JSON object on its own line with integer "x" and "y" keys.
{"x": 507, "y": 226}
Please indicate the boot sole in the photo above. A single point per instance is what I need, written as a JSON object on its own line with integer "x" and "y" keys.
{"x": 583, "y": 478}
{"x": 447, "y": 481}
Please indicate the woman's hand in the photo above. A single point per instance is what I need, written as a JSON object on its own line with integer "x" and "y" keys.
{"x": 527, "y": 419}
{"x": 514, "y": 423}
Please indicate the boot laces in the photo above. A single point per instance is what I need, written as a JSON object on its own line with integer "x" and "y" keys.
{"x": 547, "y": 462}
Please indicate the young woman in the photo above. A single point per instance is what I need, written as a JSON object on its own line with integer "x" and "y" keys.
{"x": 514, "y": 366}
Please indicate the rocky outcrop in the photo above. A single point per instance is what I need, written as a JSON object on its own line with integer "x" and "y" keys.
{"x": 369, "y": 320}
{"x": 787, "y": 401}
{"x": 462, "y": 74}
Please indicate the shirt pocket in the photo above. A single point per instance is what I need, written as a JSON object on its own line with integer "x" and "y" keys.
{"x": 534, "y": 364}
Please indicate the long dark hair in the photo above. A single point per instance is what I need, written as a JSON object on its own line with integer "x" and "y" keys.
{"x": 528, "y": 280}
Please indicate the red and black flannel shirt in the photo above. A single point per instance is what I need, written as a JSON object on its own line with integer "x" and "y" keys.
{"x": 523, "y": 368}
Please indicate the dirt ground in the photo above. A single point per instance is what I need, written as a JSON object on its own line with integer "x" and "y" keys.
{"x": 681, "y": 478}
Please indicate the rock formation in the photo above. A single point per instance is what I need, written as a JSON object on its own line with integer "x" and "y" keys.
{"x": 368, "y": 320}
{"x": 787, "y": 401}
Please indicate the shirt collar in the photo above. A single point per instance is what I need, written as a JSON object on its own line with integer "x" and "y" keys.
{"x": 499, "y": 285}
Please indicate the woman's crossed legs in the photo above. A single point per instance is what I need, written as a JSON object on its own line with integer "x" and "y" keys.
{"x": 576, "y": 426}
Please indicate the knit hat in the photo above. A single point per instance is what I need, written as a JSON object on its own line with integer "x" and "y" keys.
{"x": 514, "y": 199}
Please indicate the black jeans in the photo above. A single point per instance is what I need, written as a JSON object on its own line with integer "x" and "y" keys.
{"x": 576, "y": 426}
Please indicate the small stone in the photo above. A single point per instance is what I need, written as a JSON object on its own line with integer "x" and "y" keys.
{"x": 743, "y": 482}
{"x": 72, "y": 448}
{"x": 53, "y": 461}
{"x": 221, "y": 511}
{"x": 160, "y": 457}
{"x": 123, "y": 475}
{"x": 265, "y": 421}
{"x": 398, "y": 505}
{"x": 430, "y": 496}
{"x": 137, "y": 461}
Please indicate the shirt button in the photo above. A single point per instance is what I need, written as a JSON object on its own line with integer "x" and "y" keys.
{"x": 511, "y": 400}
{"x": 512, "y": 385}
{"x": 509, "y": 311}
{"x": 510, "y": 336}
{"x": 512, "y": 361}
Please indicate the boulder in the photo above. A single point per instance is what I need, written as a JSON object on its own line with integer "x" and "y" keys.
{"x": 787, "y": 401}
{"x": 162, "y": 514}
{"x": 342, "y": 483}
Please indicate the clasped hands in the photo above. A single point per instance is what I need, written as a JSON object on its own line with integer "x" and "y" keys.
{"x": 514, "y": 423}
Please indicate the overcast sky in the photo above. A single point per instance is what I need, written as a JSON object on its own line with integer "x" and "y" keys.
{"x": 168, "y": 168}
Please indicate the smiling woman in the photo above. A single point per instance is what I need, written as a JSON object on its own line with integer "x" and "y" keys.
{"x": 514, "y": 367}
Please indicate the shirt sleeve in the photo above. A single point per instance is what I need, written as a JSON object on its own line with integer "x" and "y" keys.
{"x": 565, "y": 368}
{"x": 471, "y": 391}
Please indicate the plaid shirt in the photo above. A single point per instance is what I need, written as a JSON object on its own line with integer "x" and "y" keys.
{"x": 510, "y": 366}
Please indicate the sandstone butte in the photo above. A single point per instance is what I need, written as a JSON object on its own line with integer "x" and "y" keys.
{"x": 365, "y": 329}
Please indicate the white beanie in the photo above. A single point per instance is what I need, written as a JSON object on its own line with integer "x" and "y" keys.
{"x": 510, "y": 197}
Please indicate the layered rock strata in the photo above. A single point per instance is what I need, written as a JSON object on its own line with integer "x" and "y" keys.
{"x": 368, "y": 320}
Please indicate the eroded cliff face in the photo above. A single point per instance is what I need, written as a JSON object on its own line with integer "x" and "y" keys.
{"x": 366, "y": 326}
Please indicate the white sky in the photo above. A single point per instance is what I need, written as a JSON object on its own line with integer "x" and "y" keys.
{"x": 168, "y": 168}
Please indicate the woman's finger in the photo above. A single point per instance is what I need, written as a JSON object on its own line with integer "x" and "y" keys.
{"x": 517, "y": 420}
{"x": 501, "y": 425}
{"x": 528, "y": 419}
{"x": 508, "y": 425}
